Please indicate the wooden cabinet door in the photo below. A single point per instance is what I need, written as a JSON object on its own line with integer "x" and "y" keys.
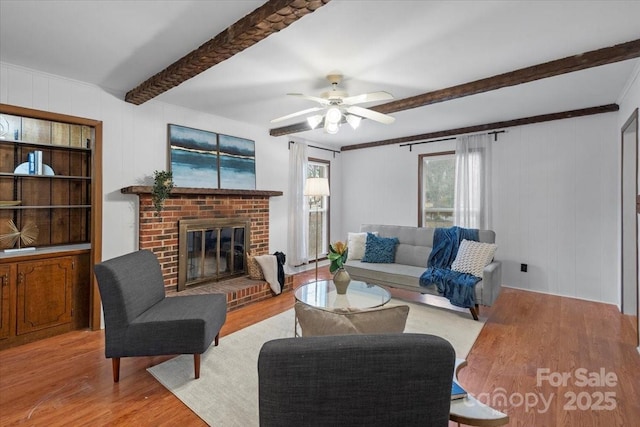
{"x": 6, "y": 277}
{"x": 44, "y": 296}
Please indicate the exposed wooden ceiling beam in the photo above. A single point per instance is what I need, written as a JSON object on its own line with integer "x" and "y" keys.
{"x": 489, "y": 126}
{"x": 570, "y": 64}
{"x": 269, "y": 18}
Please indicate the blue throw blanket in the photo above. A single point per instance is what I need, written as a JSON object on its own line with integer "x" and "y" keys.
{"x": 458, "y": 287}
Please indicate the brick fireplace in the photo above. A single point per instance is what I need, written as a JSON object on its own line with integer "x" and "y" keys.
{"x": 160, "y": 232}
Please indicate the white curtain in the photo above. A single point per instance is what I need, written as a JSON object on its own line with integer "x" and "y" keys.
{"x": 297, "y": 246}
{"x": 472, "y": 206}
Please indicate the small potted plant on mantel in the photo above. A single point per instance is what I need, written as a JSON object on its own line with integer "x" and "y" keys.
{"x": 162, "y": 186}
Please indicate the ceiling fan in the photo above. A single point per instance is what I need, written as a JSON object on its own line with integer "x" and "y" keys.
{"x": 338, "y": 105}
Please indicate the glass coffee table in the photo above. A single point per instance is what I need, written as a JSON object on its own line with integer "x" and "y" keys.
{"x": 322, "y": 294}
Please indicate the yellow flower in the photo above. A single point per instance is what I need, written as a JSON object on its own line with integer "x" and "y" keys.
{"x": 337, "y": 255}
{"x": 339, "y": 247}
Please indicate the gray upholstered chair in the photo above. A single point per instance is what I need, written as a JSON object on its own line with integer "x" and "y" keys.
{"x": 141, "y": 321}
{"x": 356, "y": 380}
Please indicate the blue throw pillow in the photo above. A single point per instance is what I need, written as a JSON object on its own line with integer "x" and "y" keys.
{"x": 380, "y": 249}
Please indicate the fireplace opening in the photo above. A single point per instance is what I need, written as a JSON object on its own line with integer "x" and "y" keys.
{"x": 211, "y": 250}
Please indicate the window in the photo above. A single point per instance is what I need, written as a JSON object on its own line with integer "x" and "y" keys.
{"x": 318, "y": 212}
{"x": 437, "y": 174}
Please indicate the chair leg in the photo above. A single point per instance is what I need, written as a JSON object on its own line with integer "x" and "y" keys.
{"x": 215, "y": 341}
{"x": 115, "y": 363}
{"x": 196, "y": 365}
{"x": 474, "y": 312}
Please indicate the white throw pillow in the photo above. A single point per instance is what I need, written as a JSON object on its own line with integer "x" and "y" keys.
{"x": 356, "y": 243}
{"x": 472, "y": 257}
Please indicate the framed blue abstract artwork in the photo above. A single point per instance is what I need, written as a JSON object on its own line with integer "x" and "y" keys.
{"x": 237, "y": 162}
{"x": 203, "y": 159}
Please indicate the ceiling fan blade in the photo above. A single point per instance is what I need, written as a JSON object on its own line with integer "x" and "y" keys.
{"x": 370, "y": 114}
{"x": 296, "y": 114}
{"x": 367, "y": 97}
{"x": 322, "y": 101}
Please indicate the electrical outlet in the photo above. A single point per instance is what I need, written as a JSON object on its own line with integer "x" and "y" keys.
{"x": 523, "y": 268}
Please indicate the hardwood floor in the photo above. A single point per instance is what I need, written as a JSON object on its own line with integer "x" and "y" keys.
{"x": 66, "y": 380}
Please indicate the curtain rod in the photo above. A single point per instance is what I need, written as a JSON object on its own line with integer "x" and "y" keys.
{"x": 319, "y": 148}
{"x": 411, "y": 144}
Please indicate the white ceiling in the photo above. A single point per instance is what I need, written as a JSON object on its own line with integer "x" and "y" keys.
{"x": 403, "y": 47}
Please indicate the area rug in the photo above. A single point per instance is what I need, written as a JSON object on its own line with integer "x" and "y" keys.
{"x": 227, "y": 392}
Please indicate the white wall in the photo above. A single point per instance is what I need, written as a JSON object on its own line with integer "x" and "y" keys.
{"x": 554, "y": 201}
{"x": 135, "y": 144}
{"x": 555, "y": 207}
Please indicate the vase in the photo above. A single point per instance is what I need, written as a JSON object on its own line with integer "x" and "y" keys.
{"x": 341, "y": 280}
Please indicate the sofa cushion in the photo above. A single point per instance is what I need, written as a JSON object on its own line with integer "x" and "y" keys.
{"x": 414, "y": 244}
{"x": 380, "y": 249}
{"x": 346, "y": 321}
{"x": 383, "y": 273}
{"x": 356, "y": 243}
{"x": 472, "y": 257}
{"x": 396, "y": 275}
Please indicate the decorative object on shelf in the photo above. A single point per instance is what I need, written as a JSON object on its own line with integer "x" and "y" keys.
{"x": 27, "y": 235}
{"x": 35, "y": 163}
{"x": 314, "y": 188}
{"x": 199, "y": 157}
{"x": 23, "y": 168}
{"x": 162, "y": 186}
{"x": 338, "y": 254}
{"x": 4, "y": 127}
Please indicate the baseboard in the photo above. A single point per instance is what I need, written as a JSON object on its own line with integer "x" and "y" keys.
{"x": 305, "y": 267}
{"x": 560, "y": 295}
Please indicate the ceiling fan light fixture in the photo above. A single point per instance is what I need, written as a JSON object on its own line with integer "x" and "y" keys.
{"x": 331, "y": 128}
{"x": 333, "y": 115}
{"x": 314, "y": 121}
{"x": 354, "y": 121}
{"x": 337, "y": 106}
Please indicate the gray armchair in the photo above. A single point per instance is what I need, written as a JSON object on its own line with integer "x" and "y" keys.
{"x": 141, "y": 321}
{"x": 356, "y": 380}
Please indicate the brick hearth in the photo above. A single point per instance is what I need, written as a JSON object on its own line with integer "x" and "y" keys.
{"x": 159, "y": 232}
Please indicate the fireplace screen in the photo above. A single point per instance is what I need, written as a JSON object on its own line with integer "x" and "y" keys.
{"x": 211, "y": 250}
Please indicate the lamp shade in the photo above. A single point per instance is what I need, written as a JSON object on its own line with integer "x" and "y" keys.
{"x": 316, "y": 187}
{"x": 354, "y": 121}
{"x": 314, "y": 121}
{"x": 334, "y": 115}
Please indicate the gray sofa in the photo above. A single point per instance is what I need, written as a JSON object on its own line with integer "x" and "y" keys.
{"x": 411, "y": 257}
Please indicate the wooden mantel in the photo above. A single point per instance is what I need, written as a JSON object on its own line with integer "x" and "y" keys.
{"x": 143, "y": 189}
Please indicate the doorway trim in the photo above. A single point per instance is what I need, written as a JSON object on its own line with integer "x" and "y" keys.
{"x": 630, "y": 126}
